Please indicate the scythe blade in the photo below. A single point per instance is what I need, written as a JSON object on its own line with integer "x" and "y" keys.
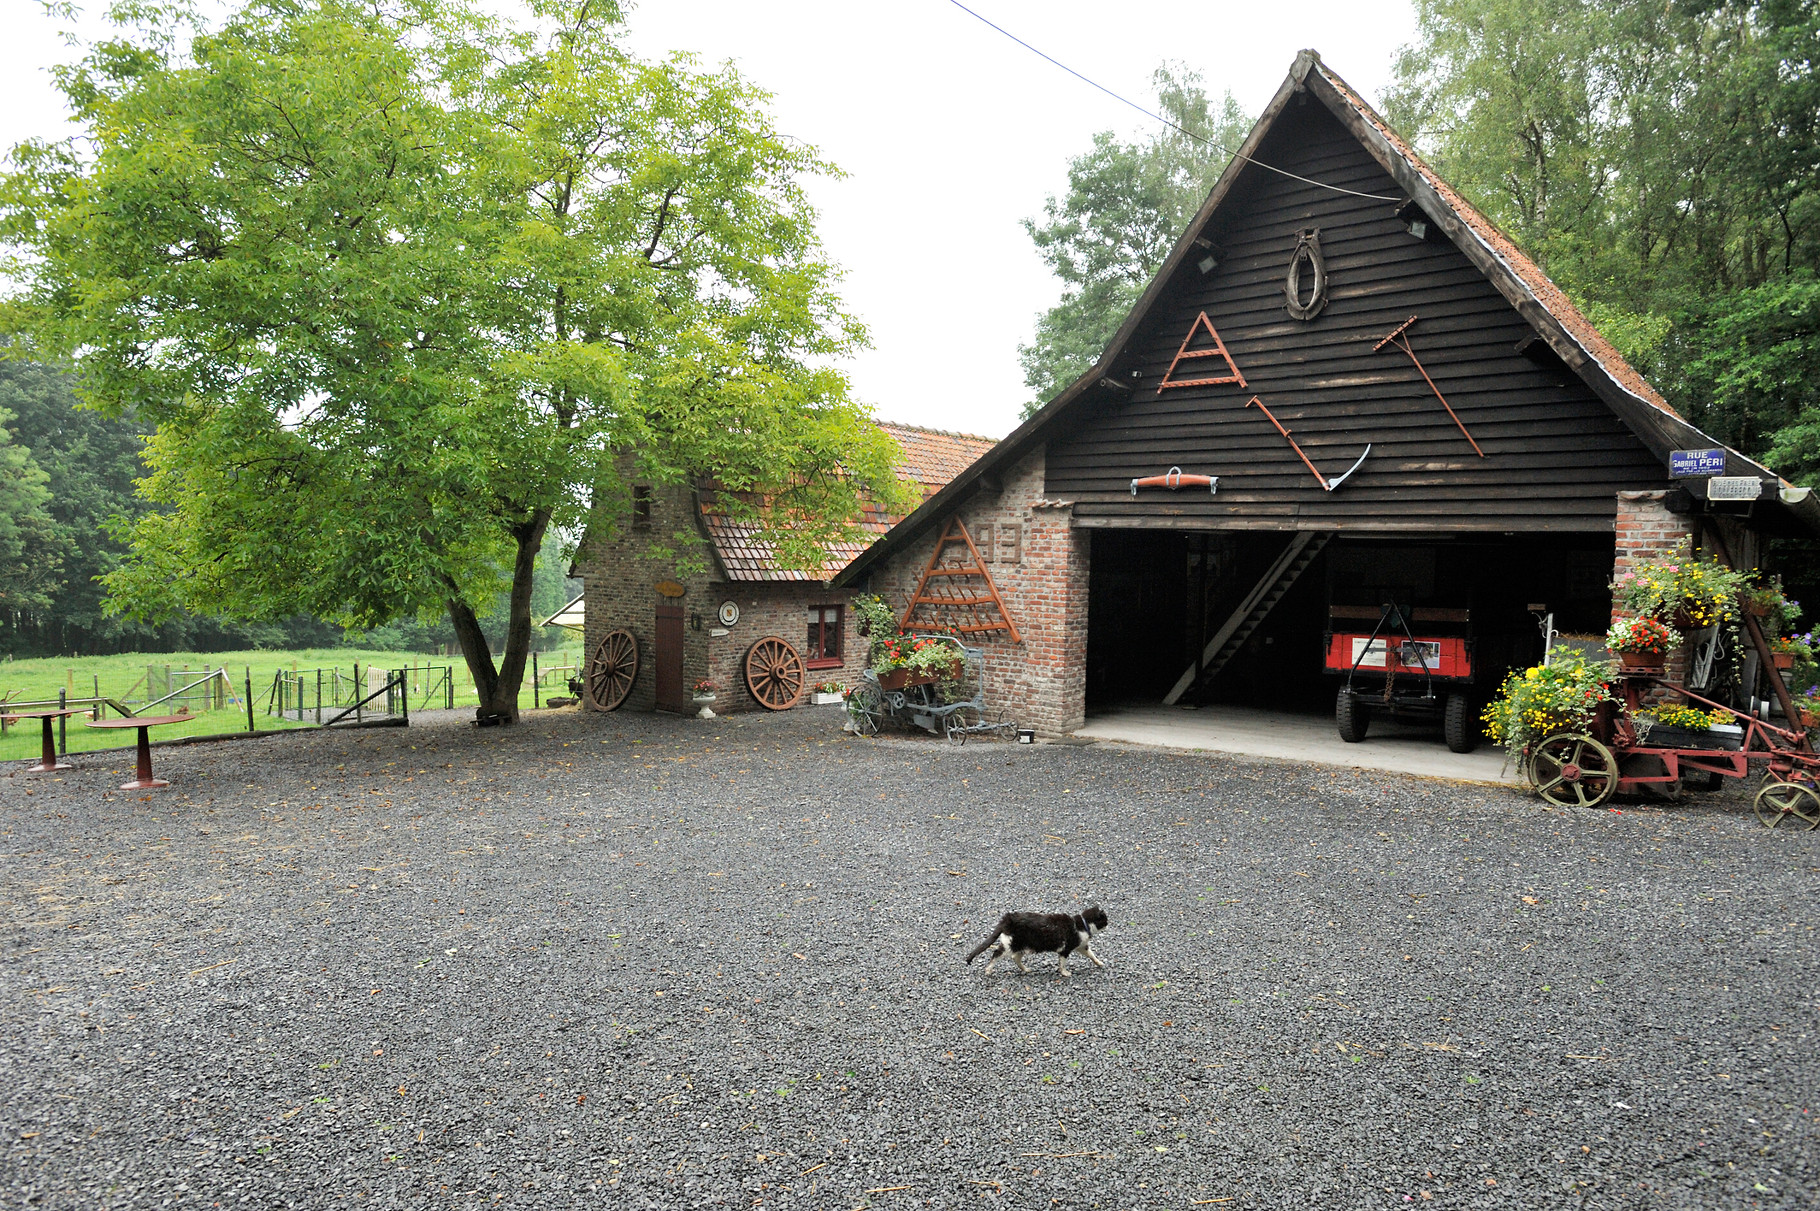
{"x": 1334, "y": 483}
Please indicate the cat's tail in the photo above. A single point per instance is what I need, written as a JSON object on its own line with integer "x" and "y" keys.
{"x": 983, "y": 947}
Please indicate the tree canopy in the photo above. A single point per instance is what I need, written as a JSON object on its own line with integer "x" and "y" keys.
{"x": 1127, "y": 204}
{"x": 1662, "y": 163}
{"x": 405, "y": 285}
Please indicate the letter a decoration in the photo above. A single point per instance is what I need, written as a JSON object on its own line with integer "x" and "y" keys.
{"x": 1186, "y": 354}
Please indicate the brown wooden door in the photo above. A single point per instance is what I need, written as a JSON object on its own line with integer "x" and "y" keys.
{"x": 669, "y": 659}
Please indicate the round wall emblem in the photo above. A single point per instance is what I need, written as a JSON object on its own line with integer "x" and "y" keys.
{"x": 729, "y": 613}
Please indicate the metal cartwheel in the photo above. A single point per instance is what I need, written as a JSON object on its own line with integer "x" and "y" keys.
{"x": 917, "y": 700}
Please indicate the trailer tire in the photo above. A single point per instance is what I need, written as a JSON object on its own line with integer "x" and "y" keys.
{"x": 1458, "y": 724}
{"x": 1352, "y": 716}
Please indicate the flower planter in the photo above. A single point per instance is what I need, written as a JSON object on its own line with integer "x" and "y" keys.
{"x": 1782, "y": 660}
{"x": 1644, "y": 662}
{"x": 1726, "y": 737}
{"x": 826, "y": 699}
{"x": 898, "y": 679}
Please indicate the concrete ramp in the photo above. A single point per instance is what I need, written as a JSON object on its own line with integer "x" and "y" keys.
{"x": 1310, "y": 738}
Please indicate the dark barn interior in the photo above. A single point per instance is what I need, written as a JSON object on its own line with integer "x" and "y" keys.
{"x": 1156, "y": 596}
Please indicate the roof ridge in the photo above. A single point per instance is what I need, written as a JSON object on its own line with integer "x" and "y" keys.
{"x": 898, "y": 424}
{"x": 1581, "y": 330}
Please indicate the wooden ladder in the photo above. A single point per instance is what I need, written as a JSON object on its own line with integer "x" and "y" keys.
{"x": 965, "y": 589}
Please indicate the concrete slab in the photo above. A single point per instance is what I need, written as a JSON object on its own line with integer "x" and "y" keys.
{"x": 1310, "y": 738}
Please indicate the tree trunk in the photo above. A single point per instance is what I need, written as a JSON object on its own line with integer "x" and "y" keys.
{"x": 498, "y": 688}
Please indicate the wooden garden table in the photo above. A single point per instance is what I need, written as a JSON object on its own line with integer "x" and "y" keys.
{"x": 49, "y": 762}
{"x": 145, "y": 781}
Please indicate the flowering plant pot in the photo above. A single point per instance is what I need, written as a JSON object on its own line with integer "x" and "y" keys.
{"x": 1782, "y": 660}
{"x": 1639, "y": 661}
{"x": 898, "y": 679}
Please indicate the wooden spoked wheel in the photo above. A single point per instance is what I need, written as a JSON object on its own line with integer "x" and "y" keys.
{"x": 1573, "y": 770}
{"x": 774, "y": 673}
{"x": 612, "y": 671}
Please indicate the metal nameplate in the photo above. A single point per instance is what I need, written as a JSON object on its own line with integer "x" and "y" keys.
{"x": 1734, "y": 487}
{"x": 1696, "y": 462}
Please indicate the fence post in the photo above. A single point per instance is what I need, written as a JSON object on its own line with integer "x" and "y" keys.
{"x": 358, "y": 718}
{"x": 534, "y": 702}
{"x": 63, "y": 731}
{"x": 100, "y": 710}
{"x": 404, "y": 697}
{"x": 448, "y": 686}
{"x": 318, "y": 695}
{"x": 250, "y": 726}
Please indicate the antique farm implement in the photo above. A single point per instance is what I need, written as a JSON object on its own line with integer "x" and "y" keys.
{"x": 919, "y": 699}
{"x": 1613, "y": 755}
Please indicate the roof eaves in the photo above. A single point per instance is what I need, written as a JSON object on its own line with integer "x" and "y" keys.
{"x": 1657, "y": 425}
{"x": 1021, "y": 439}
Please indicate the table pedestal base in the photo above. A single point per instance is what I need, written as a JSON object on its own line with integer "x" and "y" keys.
{"x": 48, "y": 762}
{"x": 143, "y": 784}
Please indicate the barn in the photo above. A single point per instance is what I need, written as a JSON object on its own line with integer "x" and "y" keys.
{"x": 762, "y": 634}
{"x": 1345, "y": 389}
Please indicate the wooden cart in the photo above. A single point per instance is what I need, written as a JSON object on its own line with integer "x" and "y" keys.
{"x": 1411, "y": 664}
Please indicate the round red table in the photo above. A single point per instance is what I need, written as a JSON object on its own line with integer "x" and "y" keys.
{"x": 48, "y": 763}
{"x": 145, "y": 781}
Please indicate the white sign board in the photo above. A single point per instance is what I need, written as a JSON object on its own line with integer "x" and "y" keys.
{"x": 1734, "y": 487}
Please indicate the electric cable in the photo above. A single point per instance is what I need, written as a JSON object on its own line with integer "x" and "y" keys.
{"x": 1205, "y": 142}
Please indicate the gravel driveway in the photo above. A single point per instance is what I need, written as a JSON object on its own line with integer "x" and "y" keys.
{"x": 631, "y": 961}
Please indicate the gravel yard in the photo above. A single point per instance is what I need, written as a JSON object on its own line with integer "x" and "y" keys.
{"x": 636, "y": 961}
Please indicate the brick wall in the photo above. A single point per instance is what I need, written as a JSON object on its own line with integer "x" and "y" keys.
{"x": 1648, "y": 532}
{"x": 619, "y": 580}
{"x": 1039, "y": 565}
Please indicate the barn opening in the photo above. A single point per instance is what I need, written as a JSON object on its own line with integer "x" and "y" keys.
{"x": 1249, "y": 618}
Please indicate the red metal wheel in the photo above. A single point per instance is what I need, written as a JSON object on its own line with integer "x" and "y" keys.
{"x": 612, "y": 671}
{"x": 774, "y": 673}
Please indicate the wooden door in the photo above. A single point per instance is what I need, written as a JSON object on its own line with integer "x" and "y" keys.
{"x": 669, "y": 658}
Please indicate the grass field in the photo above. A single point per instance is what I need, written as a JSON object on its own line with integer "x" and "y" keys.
{"x": 125, "y": 677}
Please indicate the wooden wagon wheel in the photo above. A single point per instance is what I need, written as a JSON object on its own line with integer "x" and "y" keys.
{"x": 612, "y": 671}
{"x": 774, "y": 673}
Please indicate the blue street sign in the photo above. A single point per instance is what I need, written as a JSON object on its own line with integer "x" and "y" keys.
{"x": 1696, "y": 462}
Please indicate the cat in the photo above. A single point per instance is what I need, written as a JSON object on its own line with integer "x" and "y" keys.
{"x": 1021, "y": 933}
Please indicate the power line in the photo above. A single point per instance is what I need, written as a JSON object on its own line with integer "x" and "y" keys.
{"x": 1376, "y": 197}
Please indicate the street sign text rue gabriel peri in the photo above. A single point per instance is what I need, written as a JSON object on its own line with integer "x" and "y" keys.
{"x": 1696, "y": 462}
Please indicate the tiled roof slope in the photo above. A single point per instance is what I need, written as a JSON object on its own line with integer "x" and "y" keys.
{"x": 1546, "y": 292}
{"x": 931, "y": 457}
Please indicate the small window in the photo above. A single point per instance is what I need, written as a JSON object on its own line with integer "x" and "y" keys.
{"x": 823, "y": 649}
{"x": 641, "y": 506}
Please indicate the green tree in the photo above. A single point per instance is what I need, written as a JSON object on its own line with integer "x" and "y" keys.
{"x": 1662, "y": 162}
{"x": 404, "y": 285}
{"x": 28, "y": 569}
{"x": 1127, "y": 204}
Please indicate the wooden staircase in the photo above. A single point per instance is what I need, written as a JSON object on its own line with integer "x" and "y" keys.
{"x": 1251, "y": 612}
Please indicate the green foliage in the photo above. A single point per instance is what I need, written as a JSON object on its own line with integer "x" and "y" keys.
{"x": 1127, "y": 205}
{"x": 397, "y": 282}
{"x": 1559, "y": 696}
{"x": 1662, "y": 163}
{"x": 28, "y": 571}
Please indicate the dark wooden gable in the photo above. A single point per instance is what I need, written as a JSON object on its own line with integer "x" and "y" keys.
{"x": 1555, "y": 454}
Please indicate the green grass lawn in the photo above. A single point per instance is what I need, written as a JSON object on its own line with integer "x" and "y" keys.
{"x": 124, "y": 677}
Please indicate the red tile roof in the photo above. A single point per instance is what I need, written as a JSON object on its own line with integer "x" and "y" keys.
{"x": 1546, "y": 292}
{"x": 931, "y": 457}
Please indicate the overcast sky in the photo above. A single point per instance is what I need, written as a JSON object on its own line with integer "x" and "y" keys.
{"x": 950, "y": 135}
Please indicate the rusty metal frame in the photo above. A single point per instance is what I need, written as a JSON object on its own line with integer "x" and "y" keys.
{"x": 1400, "y": 339}
{"x": 1186, "y": 354}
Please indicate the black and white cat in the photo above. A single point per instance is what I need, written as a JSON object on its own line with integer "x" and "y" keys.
{"x": 1020, "y": 933}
